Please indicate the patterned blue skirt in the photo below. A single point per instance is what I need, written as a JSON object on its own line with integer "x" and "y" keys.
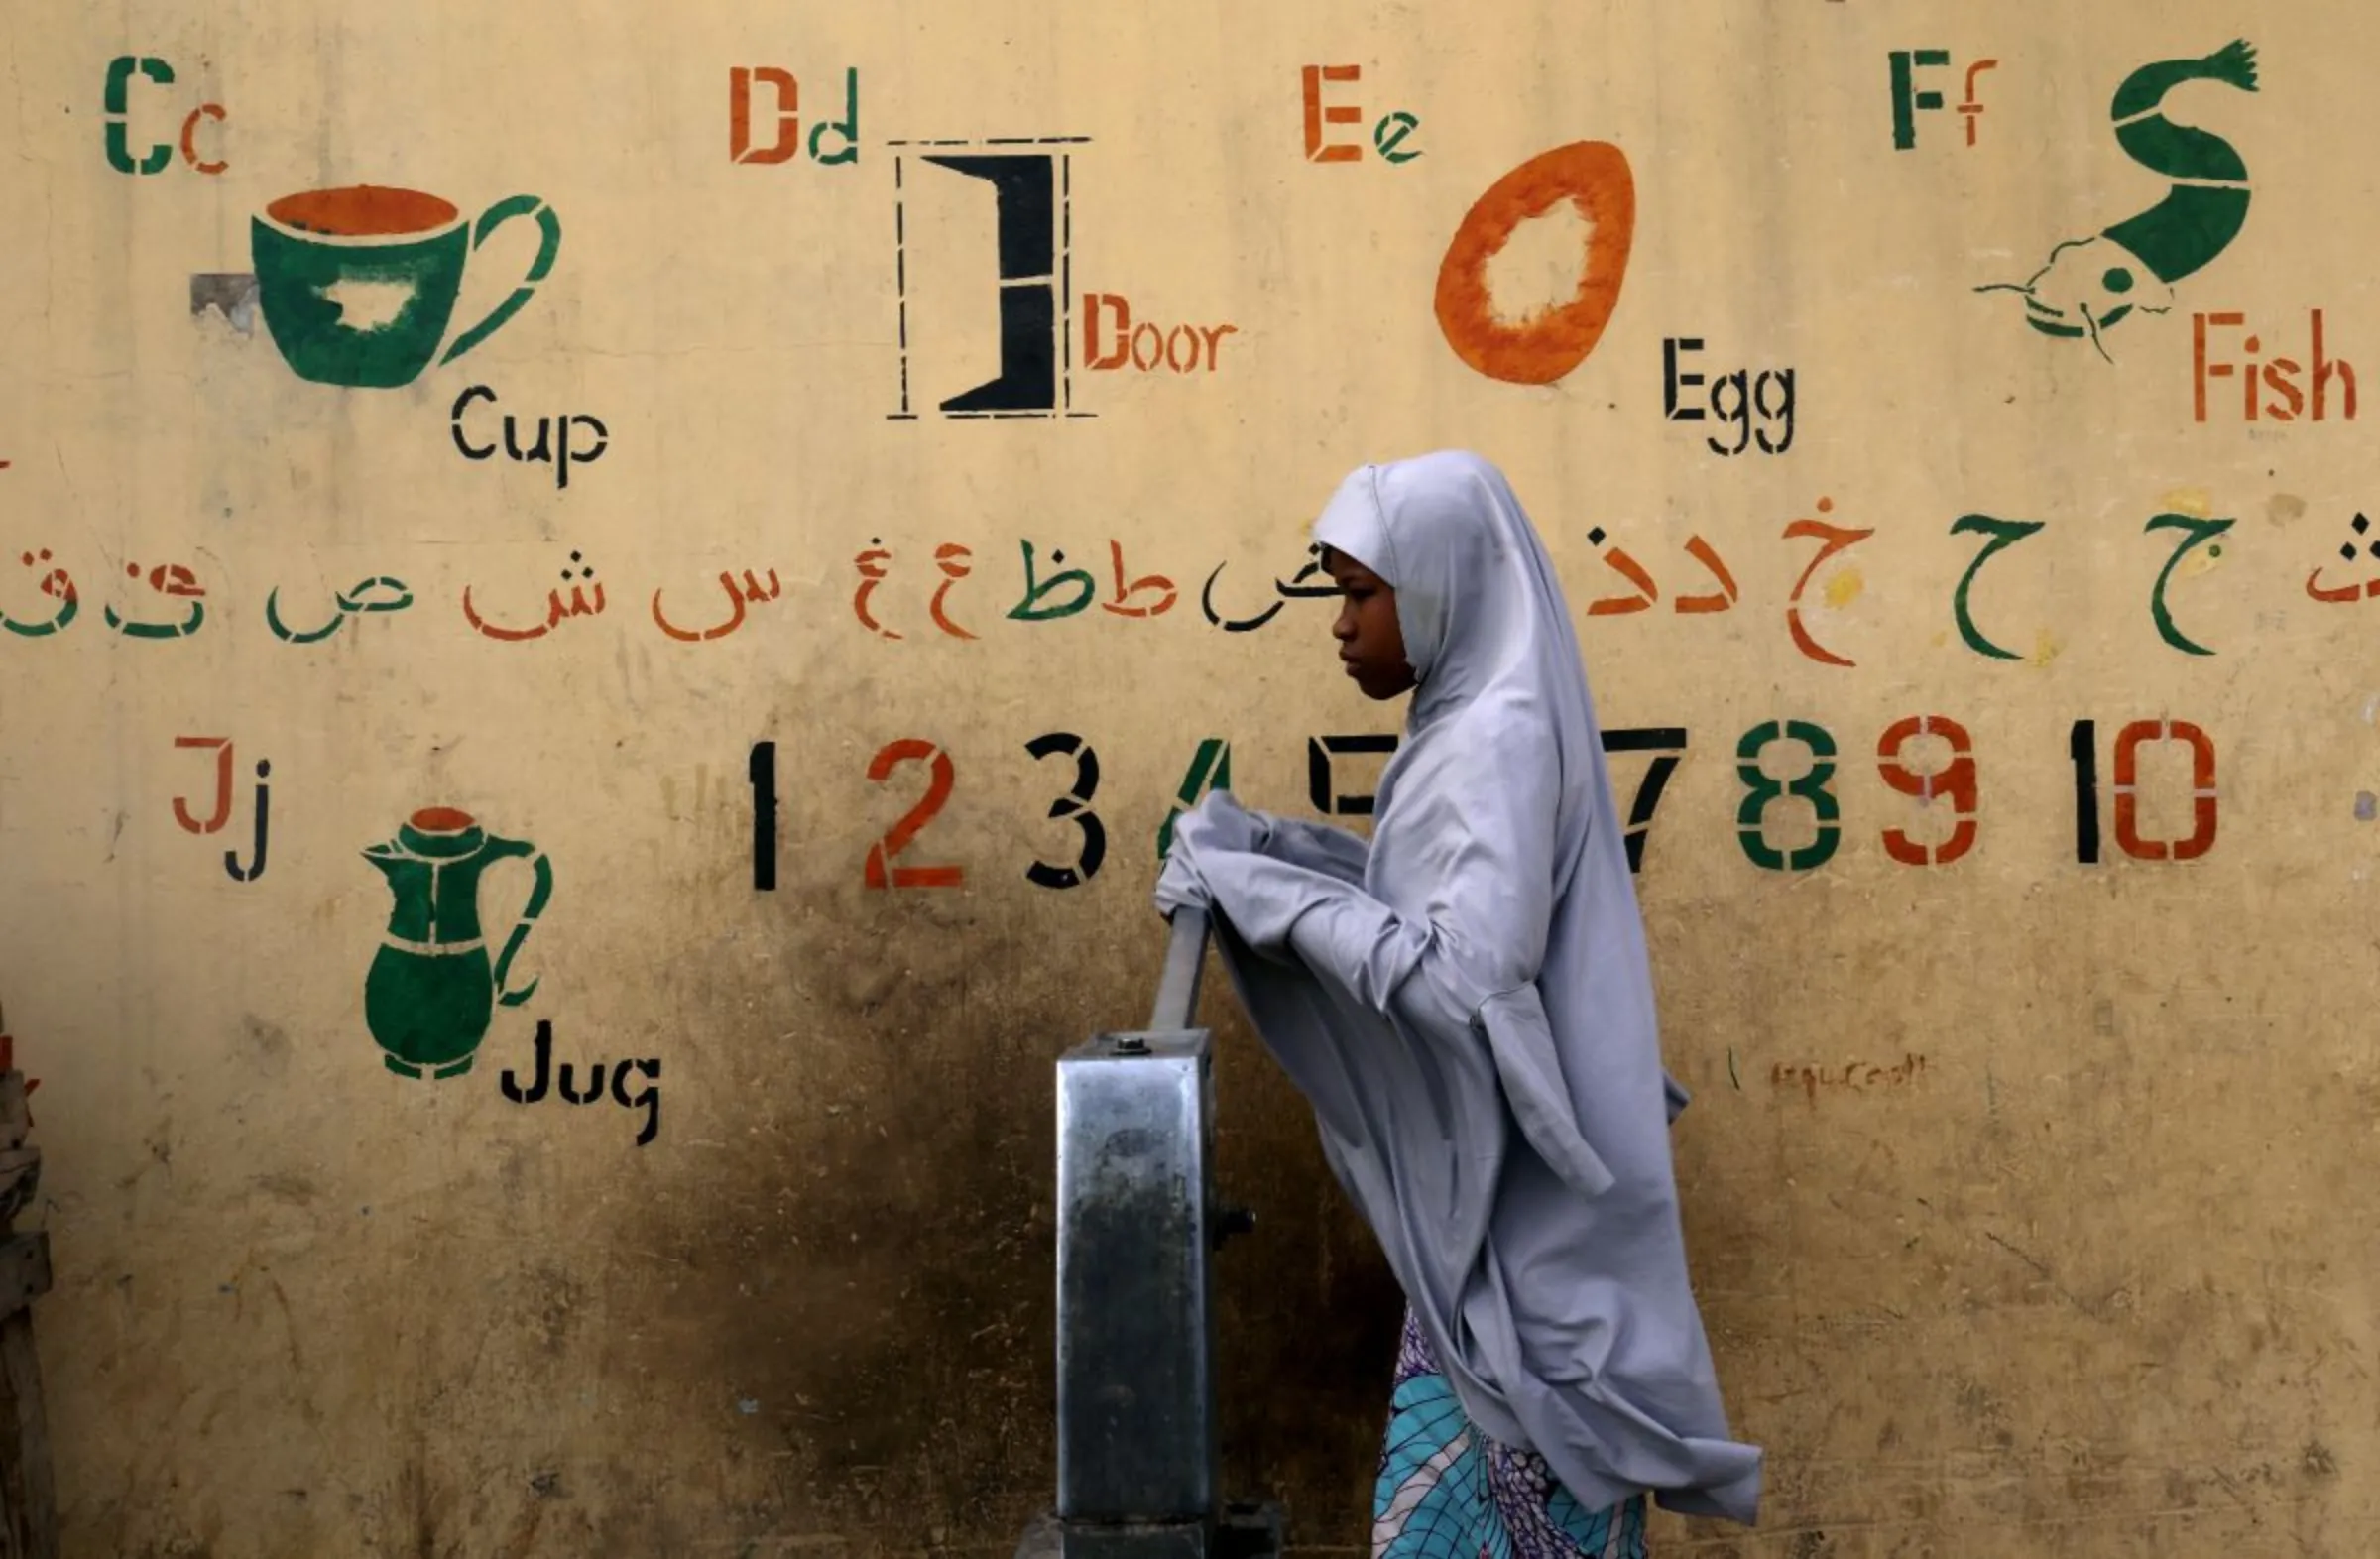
{"x": 1448, "y": 1492}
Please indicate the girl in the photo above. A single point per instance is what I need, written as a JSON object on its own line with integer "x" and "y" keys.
{"x": 1468, "y": 1005}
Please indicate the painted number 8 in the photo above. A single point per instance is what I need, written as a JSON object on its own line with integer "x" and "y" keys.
{"x": 1751, "y": 817}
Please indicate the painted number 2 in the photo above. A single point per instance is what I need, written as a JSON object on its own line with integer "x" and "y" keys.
{"x": 881, "y": 872}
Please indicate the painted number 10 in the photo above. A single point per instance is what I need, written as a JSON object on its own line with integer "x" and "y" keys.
{"x": 2082, "y": 746}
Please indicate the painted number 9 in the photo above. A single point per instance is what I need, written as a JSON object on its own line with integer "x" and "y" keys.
{"x": 1751, "y": 817}
{"x": 1955, "y": 780}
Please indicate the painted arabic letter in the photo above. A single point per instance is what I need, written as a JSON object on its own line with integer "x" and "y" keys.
{"x": 2005, "y": 533}
{"x": 59, "y": 587}
{"x": 1630, "y": 569}
{"x": 955, "y": 562}
{"x": 1031, "y": 610}
{"x": 1837, "y": 538}
{"x": 1721, "y": 598}
{"x": 1124, "y": 593}
{"x": 1206, "y": 601}
{"x": 870, "y": 564}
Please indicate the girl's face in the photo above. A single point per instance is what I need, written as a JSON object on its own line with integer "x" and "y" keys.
{"x": 1371, "y": 644}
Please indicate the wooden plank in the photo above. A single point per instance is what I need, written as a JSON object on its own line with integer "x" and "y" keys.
{"x": 34, "y": 1481}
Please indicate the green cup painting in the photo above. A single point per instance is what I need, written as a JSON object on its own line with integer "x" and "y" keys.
{"x": 358, "y": 285}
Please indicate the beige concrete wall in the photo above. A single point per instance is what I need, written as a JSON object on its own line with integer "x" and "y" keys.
{"x": 2029, "y": 1197}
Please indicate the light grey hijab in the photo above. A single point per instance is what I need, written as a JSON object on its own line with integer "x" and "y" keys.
{"x": 1467, "y": 1004}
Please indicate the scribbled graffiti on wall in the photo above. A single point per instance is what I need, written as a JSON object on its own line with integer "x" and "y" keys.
{"x": 1850, "y": 1077}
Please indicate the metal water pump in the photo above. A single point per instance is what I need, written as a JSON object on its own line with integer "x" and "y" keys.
{"x": 1137, "y": 1229}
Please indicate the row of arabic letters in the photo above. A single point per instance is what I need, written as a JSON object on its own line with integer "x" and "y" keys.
{"x": 169, "y": 601}
{"x": 1054, "y": 591}
{"x": 63, "y": 602}
{"x": 579, "y": 594}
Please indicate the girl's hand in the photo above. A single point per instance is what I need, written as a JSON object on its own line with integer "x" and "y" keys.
{"x": 1219, "y": 823}
{"x": 1179, "y": 887}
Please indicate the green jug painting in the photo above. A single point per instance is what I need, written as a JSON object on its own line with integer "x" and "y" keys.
{"x": 431, "y": 991}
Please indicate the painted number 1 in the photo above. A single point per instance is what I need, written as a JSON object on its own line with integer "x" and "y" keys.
{"x": 763, "y": 818}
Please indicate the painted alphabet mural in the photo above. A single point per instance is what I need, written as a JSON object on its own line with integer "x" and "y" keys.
{"x": 946, "y": 399}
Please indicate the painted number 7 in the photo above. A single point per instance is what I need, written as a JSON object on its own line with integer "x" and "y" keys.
{"x": 1668, "y": 745}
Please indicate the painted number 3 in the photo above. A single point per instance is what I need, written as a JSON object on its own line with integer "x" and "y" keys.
{"x": 1074, "y": 807}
